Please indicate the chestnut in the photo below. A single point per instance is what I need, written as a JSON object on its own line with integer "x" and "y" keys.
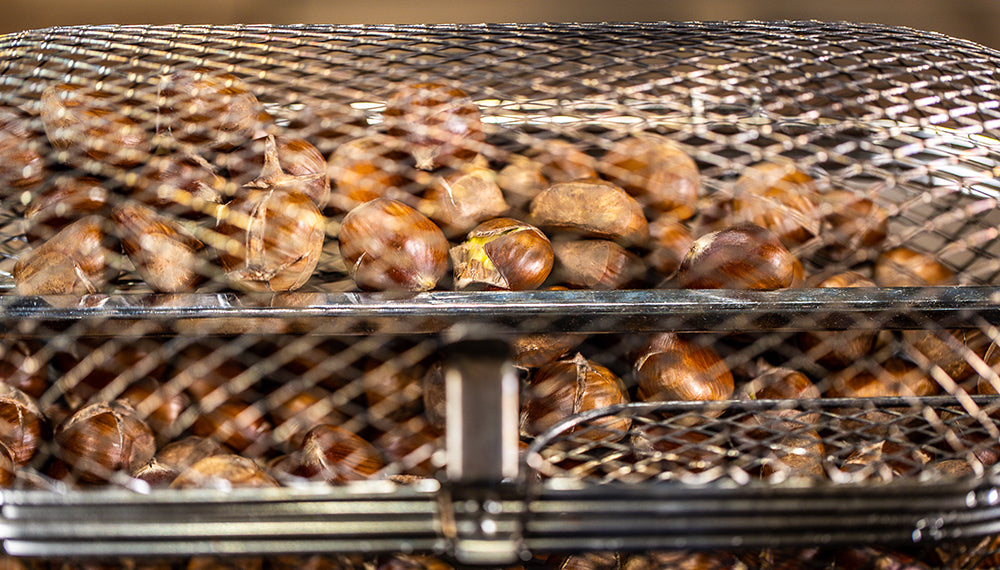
{"x": 671, "y": 367}
{"x": 596, "y": 264}
{"x": 183, "y": 453}
{"x": 744, "y": 256}
{"x": 669, "y": 242}
{"x": 585, "y": 561}
{"x": 853, "y": 226}
{"x": 781, "y": 198}
{"x": 433, "y": 390}
{"x": 159, "y": 405}
{"x": 99, "y": 123}
{"x": 335, "y": 455}
{"x": 23, "y": 426}
{"x": 410, "y": 562}
{"x": 103, "y": 438}
{"x": 563, "y": 161}
{"x": 224, "y": 472}
{"x": 461, "y": 200}
{"x": 780, "y": 383}
{"x": 235, "y": 424}
{"x": 366, "y": 168}
{"x": 521, "y": 180}
{"x": 503, "y": 253}
{"x": 92, "y": 364}
{"x": 894, "y": 377}
{"x": 164, "y": 253}
{"x": 388, "y": 245}
{"x": 22, "y": 153}
{"x": 905, "y": 267}
{"x": 593, "y": 208}
{"x": 226, "y": 562}
{"x": 201, "y": 106}
{"x": 67, "y": 200}
{"x": 837, "y": 349}
{"x": 411, "y": 446}
{"x": 284, "y": 163}
{"x": 21, "y": 369}
{"x": 534, "y": 350}
{"x": 952, "y": 350}
{"x": 886, "y": 460}
{"x": 8, "y": 468}
{"x": 440, "y": 123}
{"x": 275, "y": 237}
{"x": 293, "y": 416}
{"x": 181, "y": 184}
{"x": 567, "y": 387}
{"x": 75, "y": 261}
{"x": 796, "y": 455}
{"x": 392, "y": 390}
{"x": 678, "y": 451}
{"x": 655, "y": 171}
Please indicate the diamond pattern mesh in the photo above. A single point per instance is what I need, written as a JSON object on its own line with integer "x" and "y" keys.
{"x": 252, "y": 241}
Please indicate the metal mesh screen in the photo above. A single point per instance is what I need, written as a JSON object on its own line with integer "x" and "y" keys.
{"x": 756, "y": 260}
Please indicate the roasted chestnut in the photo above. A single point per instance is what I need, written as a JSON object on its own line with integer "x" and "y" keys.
{"x": 22, "y": 160}
{"x": 521, "y": 180}
{"x": 886, "y": 460}
{"x": 596, "y": 264}
{"x": 669, "y": 242}
{"x": 745, "y": 256}
{"x": 367, "y": 168}
{"x": 779, "y": 197}
{"x": 183, "y": 185}
{"x": 796, "y": 455}
{"x": 292, "y": 164}
{"x": 460, "y": 201}
{"x": 780, "y": 383}
{"x": 236, "y": 424}
{"x": 656, "y": 172}
{"x": 567, "y": 387}
{"x": 223, "y": 472}
{"x": 892, "y": 378}
{"x": 159, "y": 405}
{"x": 22, "y": 425}
{"x": 503, "y": 253}
{"x": 69, "y": 199}
{"x": 7, "y": 469}
{"x": 853, "y": 226}
{"x": 670, "y": 368}
{"x": 595, "y": 208}
{"x": 293, "y": 416}
{"x": 166, "y": 256}
{"x": 563, "y": 161}
{"x": 904, "y": 267}
{"x": 442, "y": 125}
{"x": 103, "y": 438}
{"x": 100, "y": 123}
{"x": 75, "y": 261}
{"x": 275, "y": 236}
{"x": 335, "y": 455}
{"x": 412, "y": 447}
{"x": 21, "y": 369}
{"x": 533, "y": 350}
{"x": 410, "y": 562}
{"x": 204, "y": 107}
{"x": 388, "y": 245}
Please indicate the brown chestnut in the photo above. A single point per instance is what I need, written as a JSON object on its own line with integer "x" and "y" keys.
{"x": 568, "y": 387}
{"x": 69, "y": 199}
{"x": 296, "y": 414}
{"x": 335, "y": 455}
{"x": 388, "y": 245}
{"x": 284, "y": 163}
{"x": 904, "y": 267}
{"x": 8, "y": 469}
{"x": 101, "y": 124}
{"x": 595, "y": 208}
{"x": 853, "y": 226}
{"x": 235, "y": 424}
{"x": 670, "y": 368}
{"x": 103, "y": 438}
{"x": 533, "y": 350}
{"x": 503, "y": 253}
{"x": 411, "y": 446}
{"x": 22, "y": 153}
{"x": 521, "y": 180}
{"x": 669, "y": 242}
{"x": 410, "y": 562}
{"x": 745, "y": 256}
{"x": 442, "y": 125}
{"x": 837, "y": 349}
{"x": 563, "y": 161}
{"x": 224, "y": 472}
{"x": 780, "y": 383}
{"x": 892, "y": 378}
{"x": 392, "y": 389}
{"x": 796, "y": 455}
{"x": 23, "y": 426}
{"x": 886, "y": 460}
{"x": 275, "y": 237}
{"x": 655, "y": 171}
{"x": 460, "y": 201}
{"x": 166, "y": 256}
{"x": 75, "y": 261}
{"x": 781, "y": 198}
{"x": 367, "y": 168}
{"x": 201, "y": 106}
{"x": 159, "y": 405}
{"x": 952, "y": 350}
{"x": 183, "y": 185}
{"x": 596, "y": 264}
{"x": 21, "y": 369}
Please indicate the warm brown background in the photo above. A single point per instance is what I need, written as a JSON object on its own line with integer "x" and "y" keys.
{"x": 977, "y": 20}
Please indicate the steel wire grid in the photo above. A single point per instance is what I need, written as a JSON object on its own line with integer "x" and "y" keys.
{"x": 907, "y": 119}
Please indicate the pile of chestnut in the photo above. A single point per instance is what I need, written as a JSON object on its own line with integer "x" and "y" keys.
{"x": 192, "y": 186}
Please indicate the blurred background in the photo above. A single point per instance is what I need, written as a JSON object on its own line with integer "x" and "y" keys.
{"x": 970, "y": 19}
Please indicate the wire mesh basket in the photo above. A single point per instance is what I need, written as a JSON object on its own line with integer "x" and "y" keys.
{"x": 553, "y": 295}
